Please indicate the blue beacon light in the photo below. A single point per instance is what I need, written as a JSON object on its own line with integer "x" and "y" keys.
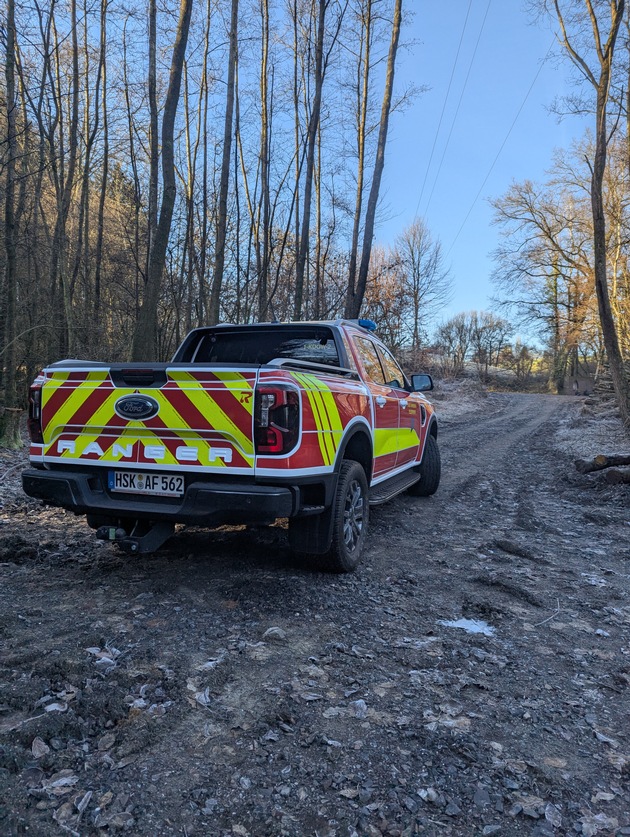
{"x": 370, "y": 325}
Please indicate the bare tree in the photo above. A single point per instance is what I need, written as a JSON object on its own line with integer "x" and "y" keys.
{"x": 219, "y": 250}
{"x": 454, "y": 338}
{"x": 544, "y": 263}
{"x": 100, "y": 223}
{"x": 355, "y": 296}
{"x": 427, "y": 282}
{"x": 145, "y": 335}
{"x": 322, "y": 57}
{"x": 110, "y": 256}
{"x": 489, "y": 335}
{"x": 362, "y": 93}
{"x": 9, "y": 430}
{"x": 154, "y": 154}
{"x": 599, "y": 77}
{"x": 262, "y": 223}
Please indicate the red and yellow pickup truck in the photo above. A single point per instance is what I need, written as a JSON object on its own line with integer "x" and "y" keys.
{"x": 310, "y": 421}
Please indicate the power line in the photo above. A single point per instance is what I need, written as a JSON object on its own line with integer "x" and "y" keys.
{"x": 498, "y": 154}
{"x": 461, "y": 96}
{"x": 450, "y": 82}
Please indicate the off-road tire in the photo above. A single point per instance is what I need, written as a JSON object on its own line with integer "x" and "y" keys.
{"x": 430, "y": 470}
{"x": 350, "y": 513}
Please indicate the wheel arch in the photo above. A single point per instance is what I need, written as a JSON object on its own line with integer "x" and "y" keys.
{"x": 357, "y": 445}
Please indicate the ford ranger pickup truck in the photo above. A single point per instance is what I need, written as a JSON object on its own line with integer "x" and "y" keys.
{"x": 310, "y": 421}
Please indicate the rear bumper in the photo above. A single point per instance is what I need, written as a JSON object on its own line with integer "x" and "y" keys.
{"x": 205, "y": 503}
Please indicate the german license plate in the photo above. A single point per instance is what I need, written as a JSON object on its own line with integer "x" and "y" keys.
{"x": 158, "y": 485}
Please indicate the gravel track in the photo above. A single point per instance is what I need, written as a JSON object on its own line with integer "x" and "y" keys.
{"x": 220, "y": 688}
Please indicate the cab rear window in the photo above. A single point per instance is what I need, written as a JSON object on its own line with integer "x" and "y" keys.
{"x": 260, "y": 346}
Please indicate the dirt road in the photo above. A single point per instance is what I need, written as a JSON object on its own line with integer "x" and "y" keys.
{"x": 219, "y": 688}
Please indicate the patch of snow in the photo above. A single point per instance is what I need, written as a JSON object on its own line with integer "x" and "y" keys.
{"x": 471, "y": 626}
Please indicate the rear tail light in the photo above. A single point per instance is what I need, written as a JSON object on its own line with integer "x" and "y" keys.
{"x": 34, "y": 421}
{"x": 276, "y": 419}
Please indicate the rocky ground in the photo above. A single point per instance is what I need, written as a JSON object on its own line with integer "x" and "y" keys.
{"x": 471, "y": 678}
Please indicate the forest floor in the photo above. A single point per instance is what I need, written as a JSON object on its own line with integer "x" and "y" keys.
{"x": 471, "y": 678}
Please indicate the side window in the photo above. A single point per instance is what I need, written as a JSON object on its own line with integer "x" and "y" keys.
{"x": 394, "y": 376}
{"x": 369, "y": 358}
{"x": 350, "y": 357}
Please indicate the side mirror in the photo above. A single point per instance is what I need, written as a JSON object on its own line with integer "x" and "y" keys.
{"x": 421, "y": 383}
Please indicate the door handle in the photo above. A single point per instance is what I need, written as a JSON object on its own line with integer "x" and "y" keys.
{"x": 381, "y": 400}
{"x": 404, "y": 403}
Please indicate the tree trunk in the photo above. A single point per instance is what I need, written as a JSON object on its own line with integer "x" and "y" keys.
{"x": 362, "y": 91}
{"x": 609, "y": 329}
{"x": 201, "y": 260}
{"x": 262, "y": 241}
{"x": 605, "y": 55}
{"x": 354, "y": 302}
{"x": 138, "y": 272}
{"x": 64, "y": 176}
{"x": 100, "y": 221}
{"x": 311, "y": 137}
{"x": 219, "y": 250}
{"x": 145, "y": 336}
{"x": 9, "y": 413}
{"x": 154, "y": 153}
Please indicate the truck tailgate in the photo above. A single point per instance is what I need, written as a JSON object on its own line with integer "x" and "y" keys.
{"x": 183, "y": 419}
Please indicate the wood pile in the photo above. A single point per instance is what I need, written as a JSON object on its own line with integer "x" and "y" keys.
{"x": 616, "y": 467}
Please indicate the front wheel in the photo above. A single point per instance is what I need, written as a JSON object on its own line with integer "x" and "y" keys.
{"x": 350, "y": 515}
{"x": 430, "y": 470}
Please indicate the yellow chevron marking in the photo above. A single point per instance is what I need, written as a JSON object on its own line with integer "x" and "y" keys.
{"x": 208, "y": 407}
{"x": 53, "y": 383}
{"x": 75, "y": 398}
{"x": 235, "y": 382}
{"x": 176, "y": 423}
{"x": 169, "y": 415}
{"x": 99, "y": 418}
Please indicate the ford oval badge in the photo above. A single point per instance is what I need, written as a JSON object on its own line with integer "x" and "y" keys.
{"x": 136, "y": 407}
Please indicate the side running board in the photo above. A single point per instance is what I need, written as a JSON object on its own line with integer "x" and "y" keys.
{"x": 387, "y": 489}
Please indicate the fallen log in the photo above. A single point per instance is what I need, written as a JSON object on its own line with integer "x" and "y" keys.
{"x": 585, "y": 466}
{"x": 618, "y": 475}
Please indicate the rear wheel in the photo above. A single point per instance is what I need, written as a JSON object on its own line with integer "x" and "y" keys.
{"x": 350, "y": 520}
{"x": 430, "y": 470}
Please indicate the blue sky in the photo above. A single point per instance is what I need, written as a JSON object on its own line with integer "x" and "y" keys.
{"x": 501, "y": 70}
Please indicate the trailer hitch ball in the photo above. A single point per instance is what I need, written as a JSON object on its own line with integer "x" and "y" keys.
{"x": 110, "y": 533}
{"x": 144, "y": 537}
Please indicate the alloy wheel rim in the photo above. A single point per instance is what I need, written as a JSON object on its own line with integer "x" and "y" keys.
{"x": 353, "y": 516}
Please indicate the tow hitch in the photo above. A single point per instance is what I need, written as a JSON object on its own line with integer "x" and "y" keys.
{"x": 144, "y": 537}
